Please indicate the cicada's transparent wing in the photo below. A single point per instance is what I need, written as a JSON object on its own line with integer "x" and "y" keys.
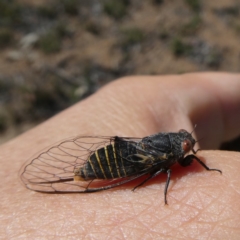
{"x": 52, "y": 171}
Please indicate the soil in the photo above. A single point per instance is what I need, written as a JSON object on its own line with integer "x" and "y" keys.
{"x": 55, "y": 53}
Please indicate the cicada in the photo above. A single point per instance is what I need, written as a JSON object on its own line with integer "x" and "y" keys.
{"x": 90, "y": 164}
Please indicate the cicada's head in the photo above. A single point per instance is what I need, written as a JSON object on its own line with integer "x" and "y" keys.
{"x": 187, "y": 142}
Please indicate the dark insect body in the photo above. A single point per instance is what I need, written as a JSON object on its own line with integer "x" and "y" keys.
{"x": 91, "y": 164}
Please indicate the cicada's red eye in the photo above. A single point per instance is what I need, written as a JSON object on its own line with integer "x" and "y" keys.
{"x": 186, "y": 145}
{"x": 182, "y": 131}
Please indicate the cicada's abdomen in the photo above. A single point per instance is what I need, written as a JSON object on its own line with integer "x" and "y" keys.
{"x": 112, "y": 161}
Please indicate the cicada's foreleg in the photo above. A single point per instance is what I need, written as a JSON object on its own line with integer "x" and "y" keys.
{"x": 184, "y": 162}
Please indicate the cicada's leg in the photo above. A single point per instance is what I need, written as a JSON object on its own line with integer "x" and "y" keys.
{"x": 169, "y": 171}
{"x": 154, "y": 175}
{"x": 184, "y": 162}
{"x": 148, "y": 178}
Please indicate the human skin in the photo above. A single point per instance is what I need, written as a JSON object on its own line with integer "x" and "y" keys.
{"x": 201, "y": 204}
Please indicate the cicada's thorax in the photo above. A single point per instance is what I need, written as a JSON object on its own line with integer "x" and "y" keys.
{"x": 165, "y": 149}
{"x": 176, "y": 142}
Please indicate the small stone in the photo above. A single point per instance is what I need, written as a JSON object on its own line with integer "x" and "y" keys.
{"x": 29, "y": 40}
{"x": 14, "y": 55}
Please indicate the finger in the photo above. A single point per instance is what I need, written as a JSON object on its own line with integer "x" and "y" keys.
{"x": 213, "y": 102}
{"x": 140, "y": 106}
{"x": 210, "y": 100}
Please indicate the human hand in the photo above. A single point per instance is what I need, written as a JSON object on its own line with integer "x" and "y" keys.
{"x": 202, "y": 204}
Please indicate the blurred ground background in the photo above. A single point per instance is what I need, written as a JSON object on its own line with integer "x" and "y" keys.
{"x": 54, "y": 53}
